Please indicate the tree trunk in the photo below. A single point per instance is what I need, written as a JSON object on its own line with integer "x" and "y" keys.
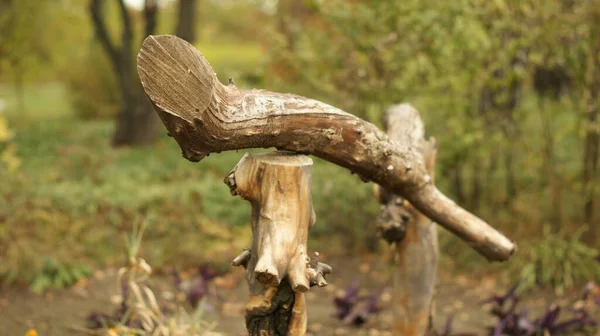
{"x": 510, "y": 131}
{"x": 126, "y": 126}
{"x": 19, "y": 86}
{"x": 457, "y": 181}
{"x": 551, "y": 177}
{"x": 476, "y": 189}
{"x": 136, "y": 124}
{"x": 590, "y": 168}
{"x": 279, "y": 271}
{"x": 511, "y": 184}
{"x": 592, "y": 136}
{"x": 204, "y": 116}
{"x": 186, "y": 19}
{"x": 414, "y": 235}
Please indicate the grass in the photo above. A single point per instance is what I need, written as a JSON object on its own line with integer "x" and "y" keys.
{"x": 45, "y": 101}
{"x": 74, "y": 196}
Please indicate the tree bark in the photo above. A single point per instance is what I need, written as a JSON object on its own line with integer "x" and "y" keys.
{"x": 496, "y": 105}
{"x": 416, "y": 250}
{"x": 551, "y": 177}
{"x": 279, "y": 270}
{"x": 590, "y": 167}
{"x": 457, "y": 181}
{"x": 135, "y": 123}
{"x": 592, "y": 135}
{"x": 186, "y": 19}
{"x": 477, "y": 185}
{"x": 511, "y": 184}
{"x": 204, "y": 116}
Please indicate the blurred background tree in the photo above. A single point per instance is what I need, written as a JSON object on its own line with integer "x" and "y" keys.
{"x": 136, "y": 121}
{"x": 30, "y": 47}
{"x": 186, "y": 20}
{"x": 509, "y": 88}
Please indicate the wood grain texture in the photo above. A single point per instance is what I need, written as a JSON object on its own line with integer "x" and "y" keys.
{"x": 204, "y": 116}
{"x": 416, "y": 249}
{"x": 278, "y": 185}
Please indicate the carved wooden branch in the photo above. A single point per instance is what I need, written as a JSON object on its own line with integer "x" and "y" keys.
{"x": 413, "y": 234}
{"x": 204, "y": 116}
{"x": 279, "y": 270}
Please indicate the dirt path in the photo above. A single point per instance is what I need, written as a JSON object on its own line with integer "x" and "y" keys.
{"x": 57, "y": 312}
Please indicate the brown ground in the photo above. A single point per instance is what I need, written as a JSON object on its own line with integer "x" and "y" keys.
{"x": 61, "y": 312}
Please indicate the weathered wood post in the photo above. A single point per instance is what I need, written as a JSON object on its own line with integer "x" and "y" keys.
{"x": 279, "y": 270}
{"x": 205, "y": 116}
{"x": 413, "y": 235}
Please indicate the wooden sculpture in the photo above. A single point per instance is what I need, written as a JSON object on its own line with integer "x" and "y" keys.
{"x": 205, "y": 116}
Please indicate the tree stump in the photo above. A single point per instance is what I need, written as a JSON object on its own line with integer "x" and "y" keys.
{"x": 413, "y": 234}
{"x": 279, "y": 270}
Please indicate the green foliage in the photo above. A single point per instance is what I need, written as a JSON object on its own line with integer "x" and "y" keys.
{"x": 55, "y": 275}
{"x": 40, "y": 33}
{"x": 233, "y": 21}
{"x": 44, "y": 101}
{"x": 345, "y": 208}
{"x": 243, "y": 62}
{"x": 93, "y": 86}
{"x": 9, "y": 161}
{"x": 376, "y": 52}
{"x": 75, "y": 196}
{"x": 133, "y": 242}
{"x": 559, "y": 261}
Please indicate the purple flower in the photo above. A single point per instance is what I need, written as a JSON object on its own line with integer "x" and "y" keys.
{"x": 352, "y": 309}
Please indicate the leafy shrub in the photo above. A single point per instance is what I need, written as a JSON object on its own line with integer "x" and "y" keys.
{"x": 93, "y": 87}
{"x": 559, "y": 261}
{"x": 243, "y": 62}
{"x": 56, "y": 275}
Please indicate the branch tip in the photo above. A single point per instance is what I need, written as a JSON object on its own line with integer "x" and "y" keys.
{"x": 242, "y": 259}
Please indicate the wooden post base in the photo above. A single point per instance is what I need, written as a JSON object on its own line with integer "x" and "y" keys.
{"x": 413, "y": 234}
{"x": 279, "y": 270}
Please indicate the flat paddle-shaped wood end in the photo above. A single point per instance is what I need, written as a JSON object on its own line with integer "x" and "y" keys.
{"x": 175, "y": 75}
